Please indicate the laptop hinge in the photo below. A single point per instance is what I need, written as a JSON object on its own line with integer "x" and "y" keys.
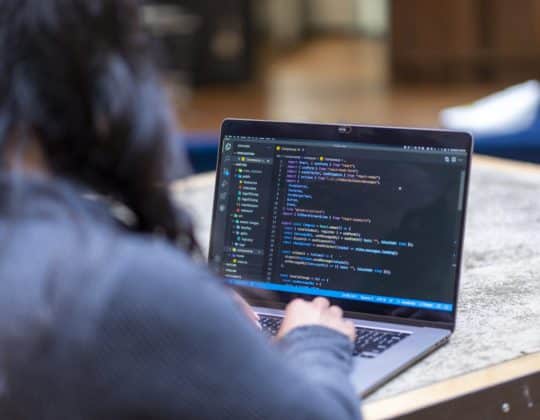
{"x": 403, "y": 321}
{"x": 369, "y": 317}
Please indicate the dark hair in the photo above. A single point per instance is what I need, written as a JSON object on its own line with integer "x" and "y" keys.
{"x": 78, "y": 76}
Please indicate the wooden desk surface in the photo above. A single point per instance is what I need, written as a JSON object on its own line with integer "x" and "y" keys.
{"x": 408, "y": 402}
{"x": 498, "y": 313}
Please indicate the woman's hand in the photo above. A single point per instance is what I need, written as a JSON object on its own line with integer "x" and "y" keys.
{"x": 317, "y": 312}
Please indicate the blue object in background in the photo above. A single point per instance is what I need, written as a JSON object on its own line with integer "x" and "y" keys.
{"x": 202, "y": 149}
{"x": 523, "y": 145}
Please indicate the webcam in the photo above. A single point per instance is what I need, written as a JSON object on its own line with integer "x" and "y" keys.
{"x": 344, "y": 129}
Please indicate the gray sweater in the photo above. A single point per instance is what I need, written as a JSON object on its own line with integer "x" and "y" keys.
{"x": 100, "y": 323}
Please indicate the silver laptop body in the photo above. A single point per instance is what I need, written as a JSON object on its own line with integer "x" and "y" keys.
{"x": 371, "y": 217}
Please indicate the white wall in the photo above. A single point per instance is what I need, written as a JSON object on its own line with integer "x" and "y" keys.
{"x": 373, "y": 16}
{"x": 285, "y": 19}
{"x": 329, "y": 14}
{"x": 369, "y": 16}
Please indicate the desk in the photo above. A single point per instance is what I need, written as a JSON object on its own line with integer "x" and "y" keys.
{"x": 499, "y": 305}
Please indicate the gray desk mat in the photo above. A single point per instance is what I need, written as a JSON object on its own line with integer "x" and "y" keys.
{"x": 499, "y": 301}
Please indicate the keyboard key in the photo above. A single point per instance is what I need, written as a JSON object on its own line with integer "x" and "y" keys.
{"x": 270, "y": 324}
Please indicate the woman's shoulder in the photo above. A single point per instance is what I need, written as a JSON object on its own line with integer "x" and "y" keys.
{"x": 150, "y": 260}
{"x": 150, "y": 270}
{"x": 83, "y": 265}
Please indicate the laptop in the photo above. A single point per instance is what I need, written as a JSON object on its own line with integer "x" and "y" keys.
{"x": 371, "y": 218}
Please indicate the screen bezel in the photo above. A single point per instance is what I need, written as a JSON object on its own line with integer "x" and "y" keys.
{"x": 392, "y": 136}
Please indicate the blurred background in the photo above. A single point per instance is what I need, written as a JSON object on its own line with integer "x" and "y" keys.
{"x": 398, "y": 62}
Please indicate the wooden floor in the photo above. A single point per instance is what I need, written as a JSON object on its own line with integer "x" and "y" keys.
{"x": 329, "y": 79}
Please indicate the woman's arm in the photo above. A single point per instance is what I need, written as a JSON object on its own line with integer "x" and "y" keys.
{"x": 178, "y": 346}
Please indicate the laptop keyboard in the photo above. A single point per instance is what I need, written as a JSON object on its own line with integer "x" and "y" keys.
{"x": 270, "y": 324}
{"x": 369, "y": 342}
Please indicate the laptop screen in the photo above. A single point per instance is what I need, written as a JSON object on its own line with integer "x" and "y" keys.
{"x": 374, "y": 225}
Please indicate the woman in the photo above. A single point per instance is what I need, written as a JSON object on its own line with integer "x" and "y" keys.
{"x": 102, "y": 319}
